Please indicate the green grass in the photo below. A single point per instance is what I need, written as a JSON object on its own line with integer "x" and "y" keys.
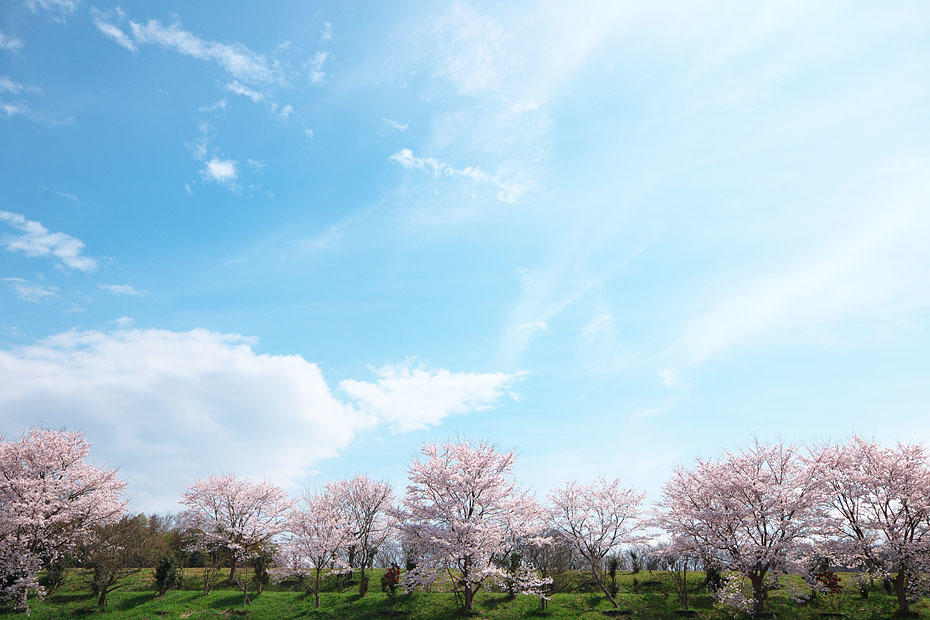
{"x": 651, "y": 602}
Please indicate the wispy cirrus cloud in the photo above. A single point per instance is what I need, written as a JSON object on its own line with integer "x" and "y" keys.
{"x": 315, "y": 74}
{"x": 58, "y": 10}
{"x": 30, "y": 291}
{"x": 388, "y": 122}
{"x": 15, "y": 88}
{"x": 121, "y": 289}
{"x": 10, "y": 44}
{"x": 115, "y": 33}
{"x": 506, "y": 191}
{"x": 13, "y": 109}
{"x": 36, "y": 240}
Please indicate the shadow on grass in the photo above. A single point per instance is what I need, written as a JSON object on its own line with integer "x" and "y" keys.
{"x": 227, "y": 601}
{"x": 68, "y": 598}
{"x": 133, "y": 601}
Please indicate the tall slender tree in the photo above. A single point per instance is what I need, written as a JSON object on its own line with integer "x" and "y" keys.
{"x": 596, "y": 519}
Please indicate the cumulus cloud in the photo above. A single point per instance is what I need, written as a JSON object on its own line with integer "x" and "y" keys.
{"x": 36, "y": 240}
{"x": 10, "y": 43}
{"x": 221, "y": 170}
{"x": 415, "y": 398}
{"x": 29, "y": 291}
{"x": 165, "y": 406}
{"x": 506, "y": 191}
{"x": 121, "y": 289}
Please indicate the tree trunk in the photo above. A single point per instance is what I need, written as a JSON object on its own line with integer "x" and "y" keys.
{"x": 603, "y": 587}
{"x": 758, "y": 592}
{"x": 900, "y": 583}
{"x": 362, "y": 582}
{"x": 102, "y": 599}
{"x": 469, "y": 597}
{"x": 232, "y": 569}
{"x": 316, "y": 589}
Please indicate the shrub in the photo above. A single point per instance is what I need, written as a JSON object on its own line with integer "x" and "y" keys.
{"x": 390, "y": 579}
{"x": 167, "y": 574}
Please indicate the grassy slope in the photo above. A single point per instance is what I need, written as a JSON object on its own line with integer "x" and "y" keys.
{"x": 137, "y": 601}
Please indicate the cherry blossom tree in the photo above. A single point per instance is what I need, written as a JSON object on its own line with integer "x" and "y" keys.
{"x": 755, "y": 510}
{"x": 365, "y": 502}
{"x": 235, "y": 513}
{"x": 879, "y": 504}
{"x": 461, "y": 509}
{"x": 596, "y": 519}
{"x": 50, "y": 501}
{"x": 318, "y": 529}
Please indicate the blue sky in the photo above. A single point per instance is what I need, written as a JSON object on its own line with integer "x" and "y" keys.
{"x": 296, "y": 241}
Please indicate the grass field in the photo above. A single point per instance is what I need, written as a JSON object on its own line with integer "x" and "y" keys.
{"x": 655, "y": 599}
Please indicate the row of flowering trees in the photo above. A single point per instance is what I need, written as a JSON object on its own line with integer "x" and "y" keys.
{"x": 758, "y": 514}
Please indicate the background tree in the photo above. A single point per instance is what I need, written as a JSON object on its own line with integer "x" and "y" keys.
{"x": 237, "y": 514}
{"x": 754, "y": 510}
{"x": 318, "y": 529}
{"x": 115, "y": 552}
{"x": 596, "y": 519}
{"x": 365, "y": 503}
{"x": 461, "y": 508}
{"x": 879, "y": 504}
{"x": 50, "y": 501}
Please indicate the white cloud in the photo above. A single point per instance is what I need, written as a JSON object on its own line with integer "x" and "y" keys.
{"x": 12, "y": 109}
{"x": 115, "y": 33}
{"x": 124, "y": 322}
{"x": 395, "y": 125}
{"x": 285, "y": 112}
{"x": 315, "y": 67}
{"x": 327, "y": 31}
{"x": 167, "y": 406}
{"x": 74, "y": 198}
{"x": 219, "y": 105}
{"x": 121, "y": 289}
{"x": 238, "y": 60}
{"x": 415, "y": 398}
{"x": 36, "y": 240}
{"x": 221, "y": 170}
{"x": 534, "y": 326}
{"x": 309, "y": 133}
{"x": 241, "y": 89}
{"x": 9, "y": 86}
{"x": 873, "y": 265}
{"x": 669, "y": 377}
{"x": 29, "y": 291}
{"x": 10, "y": 43}
{"x": 57, "y": 9}
{"x": 506, "y": 191}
